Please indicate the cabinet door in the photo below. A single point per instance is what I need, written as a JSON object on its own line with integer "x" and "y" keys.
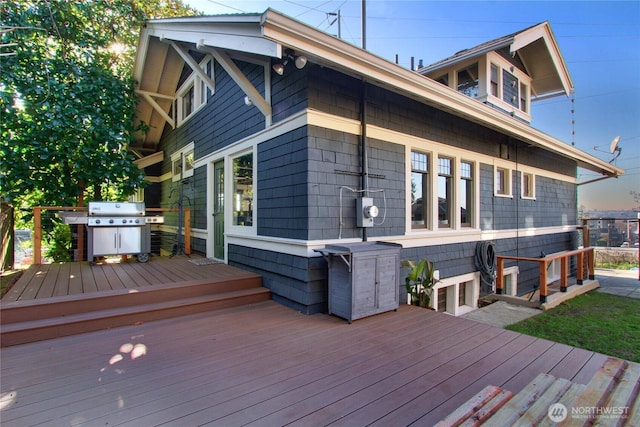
{"x": 387, "y": 272}
{"x": 364, "y": 286}
{"x": 105, "y": 241}
{"x": 129, "y": 239}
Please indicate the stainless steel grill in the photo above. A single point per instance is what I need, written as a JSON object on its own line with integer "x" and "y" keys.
{"x": 119, "y": 228}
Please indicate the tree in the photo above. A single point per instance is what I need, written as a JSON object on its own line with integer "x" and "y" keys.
{"x": 67, "y": 97}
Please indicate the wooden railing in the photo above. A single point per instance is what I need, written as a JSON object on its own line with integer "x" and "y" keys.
{"x": 37, "y": 228}
{"x": 583, "y": 256}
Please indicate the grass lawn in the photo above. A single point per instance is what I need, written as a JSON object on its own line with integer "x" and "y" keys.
{"x": 595, "y": 321}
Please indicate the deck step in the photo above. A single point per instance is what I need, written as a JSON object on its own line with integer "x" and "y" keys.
{"x": 46, "y": 308}
{"x": 615, "y": 387}
{"x": 55, "y": 327}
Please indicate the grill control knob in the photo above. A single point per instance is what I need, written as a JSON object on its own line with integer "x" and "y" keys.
{"x": 137, "y": 221}
{"x": 124, "y": 221}
{"x": 97, "y": 221}
{"x": 110, "y": 221}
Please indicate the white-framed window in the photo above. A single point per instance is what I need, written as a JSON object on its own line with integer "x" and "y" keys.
{"x": 510, "y": 280}
{"x": 494, "y": 86}
{"x": 420, "y": 194}
{"x": 466, "y": 194}
{"x": 457, "y": 295}
{"x": 528, "y": 185}
{"x": 445, "y": 199}
{"x": 445, "y": 192}
{"x": 502, "y": 181}
{"x": 183, "y": 162}
{"x": 508, "y": 87}
{"x": 524, "y": 97}
{"x": 194, "y": 92}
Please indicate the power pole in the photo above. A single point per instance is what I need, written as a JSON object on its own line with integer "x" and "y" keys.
{"x": 338, "y": 19}
{"x": 364, "y": 24}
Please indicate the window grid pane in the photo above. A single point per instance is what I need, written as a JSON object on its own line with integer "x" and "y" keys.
{"x": 444, "y": 166}
{"x": 465, "y": 170}
{"x": 419, "y": 162}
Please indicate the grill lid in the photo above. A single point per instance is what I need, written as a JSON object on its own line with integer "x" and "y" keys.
{"x": 116, "y": 208}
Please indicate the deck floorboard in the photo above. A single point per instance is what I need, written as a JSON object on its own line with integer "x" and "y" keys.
{"x": 265, "y": 364}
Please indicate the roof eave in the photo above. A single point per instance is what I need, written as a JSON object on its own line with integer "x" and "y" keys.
{"x": 343, "y": 55}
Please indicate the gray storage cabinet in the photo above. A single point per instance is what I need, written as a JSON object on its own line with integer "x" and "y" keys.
{"x": 363, "y": 278}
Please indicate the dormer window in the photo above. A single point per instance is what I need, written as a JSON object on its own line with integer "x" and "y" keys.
{"x": 468, "y": 80}
{"x": 493, "y": 79}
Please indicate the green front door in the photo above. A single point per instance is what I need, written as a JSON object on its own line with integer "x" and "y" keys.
{"x": 218, "y": 210}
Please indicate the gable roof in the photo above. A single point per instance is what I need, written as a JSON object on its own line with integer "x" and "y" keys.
{"x": 538, "y": 51}
{"x": 266, "y": 36}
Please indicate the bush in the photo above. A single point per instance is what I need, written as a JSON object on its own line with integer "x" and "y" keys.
{"x": 59, "y": 244}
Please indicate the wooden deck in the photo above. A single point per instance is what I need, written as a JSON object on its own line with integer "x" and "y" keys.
{"x": 57, "y": 300}
{"x": 75, "y": 278}
{"x": 265, "y": 364}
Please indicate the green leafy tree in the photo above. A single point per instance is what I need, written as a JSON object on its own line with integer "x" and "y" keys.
{"x": 67, "y": 98}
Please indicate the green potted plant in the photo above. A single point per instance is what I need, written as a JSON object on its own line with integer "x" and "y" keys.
{"x": 420, "y": 281}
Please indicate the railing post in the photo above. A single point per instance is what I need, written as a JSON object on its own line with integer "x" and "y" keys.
{"x": 591, "y": 263}
{"x": 500, "y": 276}
{"x": 543, "y": 281}
{"x": 580, "y": 269}
{"x": 564, "y": 273}
{"x": 37, "y": 235}
{"x": 187, "y": 231}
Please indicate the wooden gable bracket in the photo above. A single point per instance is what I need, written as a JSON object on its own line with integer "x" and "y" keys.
{"x": 241, "y": 80}
{"x": 148, "y": 96}
{"x": 195, "y": 67}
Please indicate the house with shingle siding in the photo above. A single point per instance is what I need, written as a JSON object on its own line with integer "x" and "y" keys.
{"x": 279, "y": 138}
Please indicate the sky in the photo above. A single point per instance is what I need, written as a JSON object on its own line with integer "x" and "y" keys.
{"x": 600, "y": 43}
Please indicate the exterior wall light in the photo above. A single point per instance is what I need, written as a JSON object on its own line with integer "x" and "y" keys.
{"x": 300, "y": 61}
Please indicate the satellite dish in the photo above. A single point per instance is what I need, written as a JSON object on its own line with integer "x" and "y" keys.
{"x": 614, "y": 145}
{"x": 614, "y": 149}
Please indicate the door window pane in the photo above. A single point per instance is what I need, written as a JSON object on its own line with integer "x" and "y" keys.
{"x": 243, "y": 190}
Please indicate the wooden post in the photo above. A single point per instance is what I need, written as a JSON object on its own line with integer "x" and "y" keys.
{"x": 591, "y": 263}
{"x": 564, "y": 272}
{"x": 80, "y": 242}
{"x": 187, "y": 231}
{"x": 580, "y": 268}
{"x": 543, "y": 281}
{"x": 500, "y": 276}
{"x": 37, "y": 235}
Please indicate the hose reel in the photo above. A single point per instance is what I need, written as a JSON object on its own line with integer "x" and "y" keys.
{"x": 486, "y": 262}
